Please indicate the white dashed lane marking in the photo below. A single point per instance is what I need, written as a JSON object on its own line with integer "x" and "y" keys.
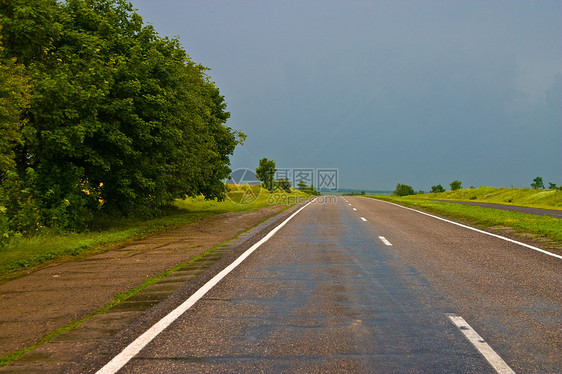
{"x": 484, "y": 348}
{"x": 383, "y": 239}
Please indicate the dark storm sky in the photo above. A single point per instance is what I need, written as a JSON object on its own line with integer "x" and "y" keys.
{"x": 416, "y": 92}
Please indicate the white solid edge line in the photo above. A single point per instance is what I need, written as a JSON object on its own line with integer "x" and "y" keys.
{"x": 480, "y": 344}
{"x": 384, "y": 240}
{"x": 364, "y": 219}
{"x": 478, "y": 230}
{"x": 136, "y": 346}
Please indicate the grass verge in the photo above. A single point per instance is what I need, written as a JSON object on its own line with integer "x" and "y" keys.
{"x": 546, "y": 199}
{"x": 538, "y": 226}
{"x": 22, "y": 254}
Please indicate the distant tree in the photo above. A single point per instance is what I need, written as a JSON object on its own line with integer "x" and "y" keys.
{"x": 265, "y": 173}
{"x": 437, "y": 189}
{"x": 404, "y": 190}
{"x": 537, "y": 183}
{"x": 301, "y": 186}
{"x": 421, "y": 192}
{"x": 284, "y": 184}
{"x": 455, "y": 185}
{"x": 313, "y": 191}
{"x": 362, "y": 192}
{"x": 552, "y": 186}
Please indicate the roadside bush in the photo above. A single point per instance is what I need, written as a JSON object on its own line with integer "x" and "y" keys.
{"x": 403, "y": 190}
{"x": 20, "y": 208}
{"x": 437, "y": 189}
{"x": 4, "y": 230}
{"x": 284, "y": 184}
{"x": 455, "y": 185}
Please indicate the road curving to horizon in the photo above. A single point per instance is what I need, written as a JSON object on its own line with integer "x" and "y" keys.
{"x": 513, "y": 208}
{"x": 360, "y": 285}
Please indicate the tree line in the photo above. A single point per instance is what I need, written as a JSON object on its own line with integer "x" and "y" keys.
{"x": 100, "y": 114}
{"x": 405, "y": 190}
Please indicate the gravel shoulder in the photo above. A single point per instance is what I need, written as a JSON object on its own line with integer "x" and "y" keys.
{"x": 60, "y": 294}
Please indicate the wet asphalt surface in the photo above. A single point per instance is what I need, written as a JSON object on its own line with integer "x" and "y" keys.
{"x": 325, "y": 294}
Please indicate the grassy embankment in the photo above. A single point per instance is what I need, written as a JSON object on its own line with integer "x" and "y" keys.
{"x": 547, "y": 199}
{"x": 538, "y": 227}
{"x": 23, "y": 253}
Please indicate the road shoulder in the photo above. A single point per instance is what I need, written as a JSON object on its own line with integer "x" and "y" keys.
{"x": 59, "y": 295}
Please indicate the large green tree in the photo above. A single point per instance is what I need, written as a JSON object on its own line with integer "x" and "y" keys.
{"x": 119, "y": 118}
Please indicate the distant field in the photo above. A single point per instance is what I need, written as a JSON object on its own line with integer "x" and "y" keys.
{"x": 22, "y": 253}
{"x": 548, "y": 199}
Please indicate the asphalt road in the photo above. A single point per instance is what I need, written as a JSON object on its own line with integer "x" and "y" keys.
{"x": 327, "y": 294}
{"x": 514, "y": 208}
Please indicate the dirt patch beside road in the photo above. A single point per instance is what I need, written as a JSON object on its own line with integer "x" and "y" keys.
{"x": 54, "y": 297}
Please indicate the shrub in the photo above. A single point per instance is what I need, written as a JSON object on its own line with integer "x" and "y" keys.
{"x": 284, "y": 184}
{"x": 455, "y": 185}
{"x": 437, "y": 189}
{"x": 404, "y": 190}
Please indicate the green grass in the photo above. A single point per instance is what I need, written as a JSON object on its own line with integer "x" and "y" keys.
{"x": 548, "y": 199}
{"x": 24, "y": 253}
{"x": 539, "y": 226}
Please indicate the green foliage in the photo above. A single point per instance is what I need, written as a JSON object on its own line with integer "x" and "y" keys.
{"x": 29, "y": 28}
{"x": 437, "y": 189}
{"x": 310, "y": 190}
{"x": 266, "y": 173}
{"x": 20, "y": 208}
{"x": 403, "y": 190}
{"x": 14, "y": 99}
{"x": 552, "y": 186}
{"x": 537, "y": 183}
{"x": 120, "y": 120}
{"x": 455, "y": 185}
{"x": 283, "y": 184}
